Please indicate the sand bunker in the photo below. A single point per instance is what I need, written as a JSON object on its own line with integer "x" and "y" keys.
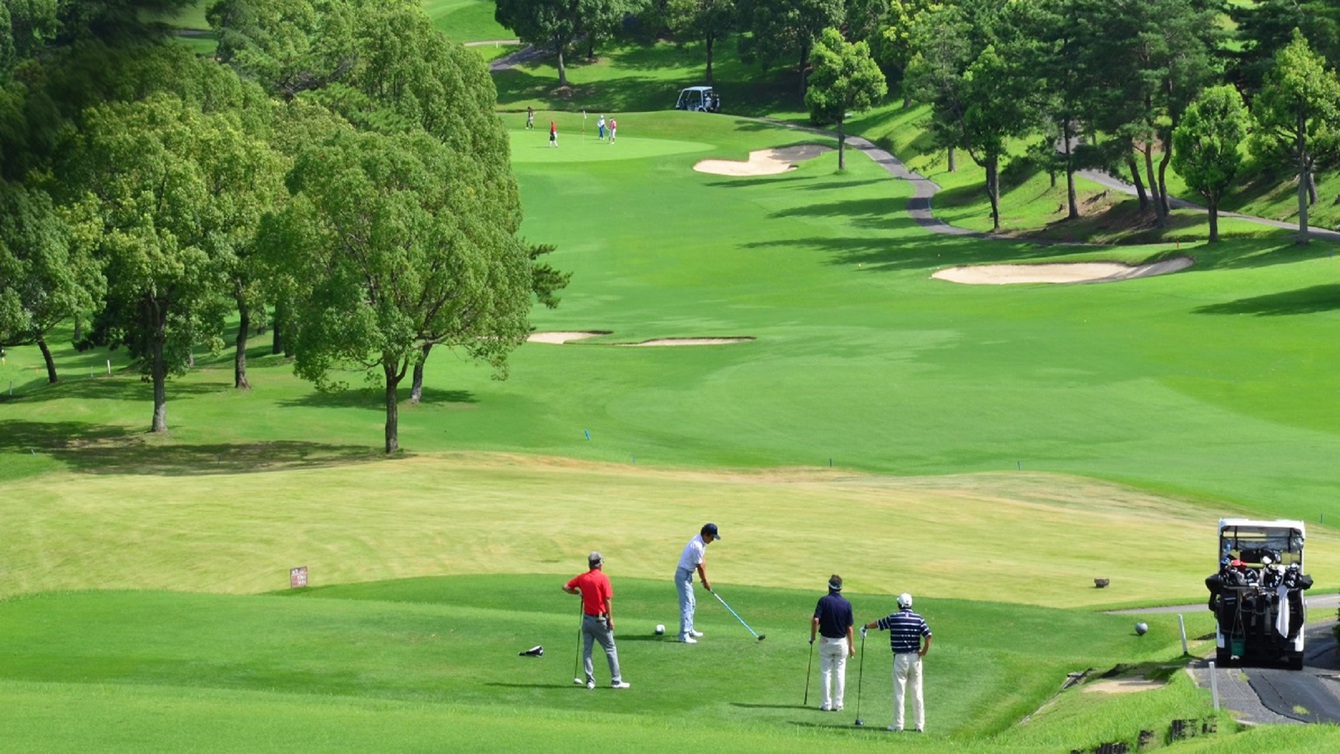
{"x": 1123, "y": 686}
{"x": 564, "y": 337}
{"x": 764, "y": 161}
{"x": 1087, "y": 272}
{"x": 690, "y": 341}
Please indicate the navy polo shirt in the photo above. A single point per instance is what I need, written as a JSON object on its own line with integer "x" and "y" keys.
{"x": 905, "y": 631}
{"x": 834, "y": 614}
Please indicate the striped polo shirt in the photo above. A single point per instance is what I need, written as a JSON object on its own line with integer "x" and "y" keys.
{"x": 905, "y": 631}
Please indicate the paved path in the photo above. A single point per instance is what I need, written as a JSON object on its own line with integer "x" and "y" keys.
{"x": 1273, "y": 695}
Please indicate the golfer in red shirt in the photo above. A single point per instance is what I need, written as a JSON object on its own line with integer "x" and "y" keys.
{"x": 597, "y": 618}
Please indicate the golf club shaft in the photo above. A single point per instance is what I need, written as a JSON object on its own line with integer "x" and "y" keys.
{"x": 737, "y": 616}
{"x": 808, "y": 668}
{"x": 577, "y": 661}
{"x": 860, "y": 676}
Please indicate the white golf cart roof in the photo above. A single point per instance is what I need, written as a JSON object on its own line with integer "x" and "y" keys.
{"x": 696, "y": 89}
{"x": 1229, "y": 523}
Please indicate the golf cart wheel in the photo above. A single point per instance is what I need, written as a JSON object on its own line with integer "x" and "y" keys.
{"x": 1296, "y": 661}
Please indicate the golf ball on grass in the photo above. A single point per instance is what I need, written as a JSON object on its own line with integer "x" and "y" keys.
{"x": 660, "y": 629}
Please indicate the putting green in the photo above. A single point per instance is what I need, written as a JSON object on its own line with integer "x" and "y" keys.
{"x": 532, "y": 146}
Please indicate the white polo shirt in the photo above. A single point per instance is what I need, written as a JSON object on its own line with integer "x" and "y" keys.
{"x": 693, "y": 553}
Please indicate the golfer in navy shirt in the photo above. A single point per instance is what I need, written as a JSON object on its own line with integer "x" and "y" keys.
{"x": 906, "y": 631}
{"x": 833, "y": 620}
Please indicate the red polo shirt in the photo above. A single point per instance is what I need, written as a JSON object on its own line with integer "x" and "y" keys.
{"x": 595, "y": 588}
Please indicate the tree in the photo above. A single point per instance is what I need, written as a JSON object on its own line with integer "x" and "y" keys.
{"x": 1265, "y": 26}
{"x": 710, "y": 21}
{"x": 1206, "y": 146}
{"x": 158, "y": 192}
{"x": 845, "y": 79}
{"x": 392, "y": 249}
{"x": 43, "y": 281}
{"x": 544, "y": 23}
{"x": 995, "y": 109}
{"x": 1297, "y": 116}
{"x": 782, "y": 29}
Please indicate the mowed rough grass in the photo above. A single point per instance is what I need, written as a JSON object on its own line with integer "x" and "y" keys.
{"x": 445, "y": 651}
{"x": 1025, "y": 538}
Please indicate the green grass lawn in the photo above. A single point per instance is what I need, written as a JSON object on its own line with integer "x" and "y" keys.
{"x": 439, "y": 658}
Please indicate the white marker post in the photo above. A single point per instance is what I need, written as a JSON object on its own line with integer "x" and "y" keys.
{"x": 1214, "y": 686}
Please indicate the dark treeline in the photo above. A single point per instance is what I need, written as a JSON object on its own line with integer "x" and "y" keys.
{"x": 338, "y": 164}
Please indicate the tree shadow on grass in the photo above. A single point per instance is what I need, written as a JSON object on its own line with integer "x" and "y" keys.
{"x": 121, "y": 387}
{"x": 106, "y": 449}
{"x": 1318, "y": 298}
{"x": 374, "y": 399}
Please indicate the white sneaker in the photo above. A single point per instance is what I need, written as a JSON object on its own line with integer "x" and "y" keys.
{"x": 696, "y": 634}
{"x": 824, "y": 708}
{"x": 590, "y": 684}
{"x": 892, "y": 729}
{"x": 688, "y": 640}
{"x": 838, "y": 708}
{"x": 621, "y": 685}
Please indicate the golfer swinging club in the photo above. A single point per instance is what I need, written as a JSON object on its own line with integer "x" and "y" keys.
{"x": 906, "y": 630}
{"x": 690, "y": 560}
{"x": 597, "y": 618}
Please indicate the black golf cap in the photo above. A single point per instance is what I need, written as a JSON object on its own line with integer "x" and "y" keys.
{"x": 711, "y": 529}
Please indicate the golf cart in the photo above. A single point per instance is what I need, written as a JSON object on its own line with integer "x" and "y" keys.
{"x": 699, "y": 99}
{"x": 1257, "y": 595}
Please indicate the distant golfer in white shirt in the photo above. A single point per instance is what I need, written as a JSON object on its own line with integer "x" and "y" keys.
{"x": 689, "y": 561}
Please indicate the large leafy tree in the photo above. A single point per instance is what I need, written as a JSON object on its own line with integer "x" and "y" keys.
{"x": 393, "y": 248}
{"x": 1297, "y": 115}
{"x": 845, "y": 80}
{"x": 708, "y": 21}
{"x": 1265, "y": 26}
{"x": 158, "y": 190}
{"x": 43, "y": 280}
{"x": 785, "y": 30}
{"x": 554, "y": 24}
{"x": 1206, "y": 147}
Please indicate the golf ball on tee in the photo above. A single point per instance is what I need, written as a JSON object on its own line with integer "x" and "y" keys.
{"x": 660, "y": 629}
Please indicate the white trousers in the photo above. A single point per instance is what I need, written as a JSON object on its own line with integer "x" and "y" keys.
{"x": 833, "y": 670}
{"x": 907, "y": 672}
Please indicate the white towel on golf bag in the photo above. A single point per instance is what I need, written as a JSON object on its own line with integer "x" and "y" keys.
{"x": 1282, "y": 619}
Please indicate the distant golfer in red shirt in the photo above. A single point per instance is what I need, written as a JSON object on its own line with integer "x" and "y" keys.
{"x": 597, "y": 618}
{"x": 553, "y": 133}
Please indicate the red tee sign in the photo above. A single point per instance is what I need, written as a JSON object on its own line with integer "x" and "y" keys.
{"x": 297, "y": 577}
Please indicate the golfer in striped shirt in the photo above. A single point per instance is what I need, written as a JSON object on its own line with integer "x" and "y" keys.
{"x": 906, "y": 631}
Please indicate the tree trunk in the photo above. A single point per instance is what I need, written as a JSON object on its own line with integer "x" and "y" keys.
{"x": 711, "y": 43}
{"x": 562, "y": 68}
{"x": 1138, "y": 181}
{"x": 1160, "y": 215}
{"x": 276, "y": 338}
{"x": 953, "y": 163}
{"x": 1311, "y": 188}
{"x": 78, "y": 328}
{"x": 1304, "y": 175}
{"x": 416, "y": 389}
{"x": 46, "y": 356}
{"x": 804, "y": 61}
{"x": 1067, "y": 145}
{"x": 1163, "y": 177}
{"x": 1214, "y": 219}
{"x": 240, "y": 358}
{"x": 392, "y": 409}
{"x": 993, "y": 189}
{"x": 842, "y": 143}
{"x": 158, "y": 369}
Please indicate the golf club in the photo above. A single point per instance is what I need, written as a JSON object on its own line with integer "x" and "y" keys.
{"x": 577, "y": 661}
{"x": 757, "y": 635}
{"x": 808, "y": 668}
{"x": 860, "y": 677}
